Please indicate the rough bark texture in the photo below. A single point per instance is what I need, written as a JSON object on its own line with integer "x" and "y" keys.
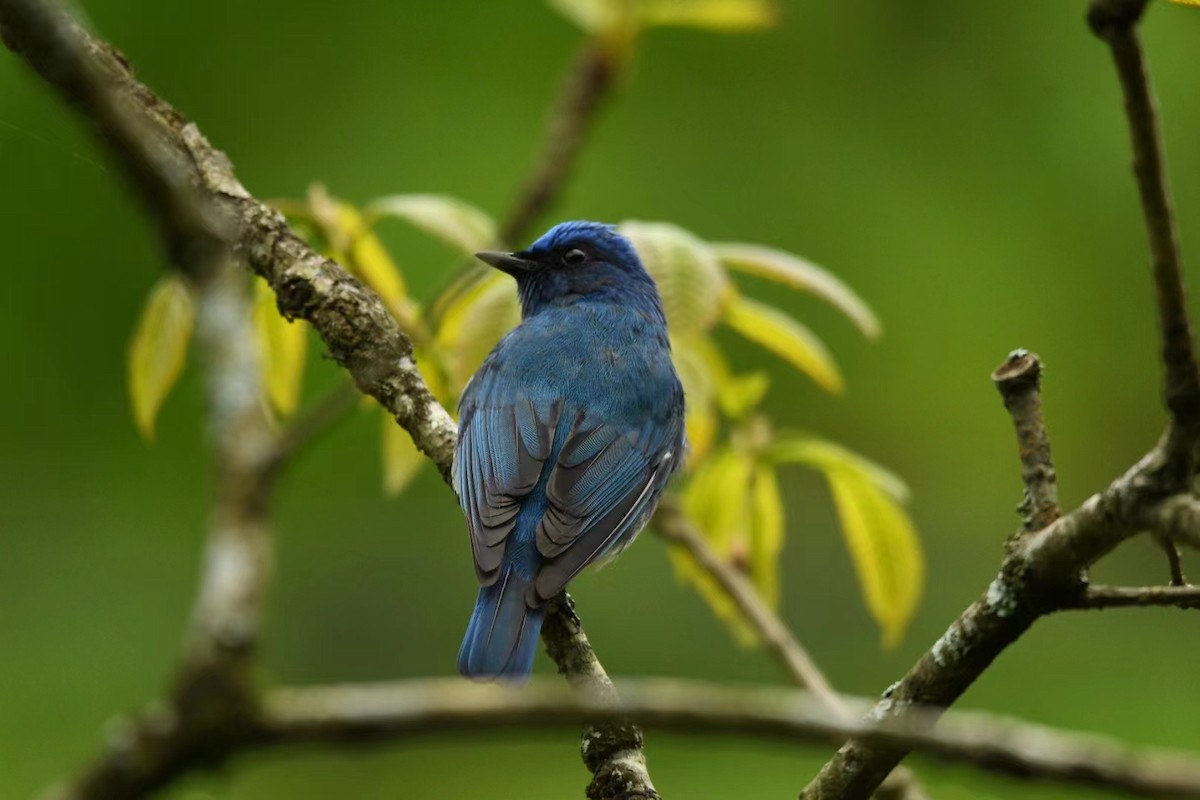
{"x": 204, "y": 211}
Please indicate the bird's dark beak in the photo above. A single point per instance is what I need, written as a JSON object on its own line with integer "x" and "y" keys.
{"x": 512, "y": 263}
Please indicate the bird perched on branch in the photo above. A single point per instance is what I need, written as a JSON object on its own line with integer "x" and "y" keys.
{"x": 568, "y": 434}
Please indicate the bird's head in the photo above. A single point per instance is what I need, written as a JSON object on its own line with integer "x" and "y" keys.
{"x": 577, "y": 261}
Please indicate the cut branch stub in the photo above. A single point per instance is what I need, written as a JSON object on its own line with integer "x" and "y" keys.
{"x": 1019, "y": 382}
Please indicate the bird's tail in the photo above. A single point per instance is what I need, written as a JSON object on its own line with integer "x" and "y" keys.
{"x": 502, "y": 636}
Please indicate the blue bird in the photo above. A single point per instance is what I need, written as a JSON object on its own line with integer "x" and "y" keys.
{"x": 568, "y": 434}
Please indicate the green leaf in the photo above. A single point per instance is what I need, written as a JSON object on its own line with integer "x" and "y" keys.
{"x": 401, "y": 459}
{"x": 824, "y": 455}
{"x": 738, "y": 395}
{"x": 729, "y": 16}
{"x": 460, "y": 225}
{"x": 158, "y": 349}
{"x": 884, "y": 548}
{"x": 370, "y": 261}
{"x": 592, "y": 16}
{"x": 790, "y": 270}
{"x": 881, "y": 538}
{"x": 787, "y": 338}
{"x": 283, "y": 351}
{"x": 693, "y": 286}
{"x": 473, "y": 322}
{"x": 766, "y": 533}
{"x": 717, "y": 500}
{"x": 698, "y": 387}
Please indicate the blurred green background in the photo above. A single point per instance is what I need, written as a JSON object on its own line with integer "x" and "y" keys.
{"x": 963, "y": 165}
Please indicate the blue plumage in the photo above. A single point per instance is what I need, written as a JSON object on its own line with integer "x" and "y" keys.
{"x": 568, "y": 434}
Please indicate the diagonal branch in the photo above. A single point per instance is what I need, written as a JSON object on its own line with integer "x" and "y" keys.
{"x": 175, "y": 168}
{"x": 1115, "y": 21}
{"x": 587, "y": 84}
{"x": 671, "y": 524}
{"x": 1041, "y": 574}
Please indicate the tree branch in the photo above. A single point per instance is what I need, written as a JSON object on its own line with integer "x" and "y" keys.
{"x": 1041, "y": 574}
{"x": 1115, "y": 21}
{"x": 371, "y": 713}
{"x": 1099, "y": 597}
{"x": 172, "y": 164}
{"x": 1019, "y": 382}
{"x": 675, "y": 528}
{"x": 583, "y": 91}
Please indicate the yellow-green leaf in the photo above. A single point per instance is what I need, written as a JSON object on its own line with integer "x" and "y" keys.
{"x": 472, "y": 323}
{"x": 459, "y": 224}
{"x": 718, "y": 15}
{"x": 698, "y": 387}
{"x": 370, "y": 261}
{"x": 717, "y": 499}
{"x": 158, "y": 349}
{"x": 354, "y": 244}
{"x": 283, "y": 351}
{"x": 592, "y": 16}
{"x": 1187, "y": 2}
{"x": 823, "y": 455}
{"x": 784, "y": 336}
{"x": 791, "y": 270}
{"x": 400, "y": 457}
{"x": 738, "y": 395}
{"x": 882, "y": 540}
{"x": 884, "y": 548}
{"x": 693, "y": 286}
{"x": 766, "y": 533}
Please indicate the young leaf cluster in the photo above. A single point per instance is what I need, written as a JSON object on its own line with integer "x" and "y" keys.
{"x": 732, "y": 489}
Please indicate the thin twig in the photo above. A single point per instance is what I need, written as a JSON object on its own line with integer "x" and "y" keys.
{"x": 1115, "y": 21}
{"x": 1043, "y": 572}
{"x": 1100, "y": 597}
{"x": 1174, "y": 559}
{"x": 1019, "y": 382}
{"x": 366, "y": 713}
{"x": 612, "y": 749}
{"x": 328, "y": 410}
{"x": 671, "y": 524}
{"x": 583, "y": 91}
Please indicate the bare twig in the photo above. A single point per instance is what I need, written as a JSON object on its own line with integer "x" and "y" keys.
{"x": 327, "y": 411}
{"x": 1019, "y": 382}
{"x": 612, "y": 749}
{"x": 583, "y": 91}
{"x": 50, "y": 41}
{"x": 1174, "y": 559}
{"x": 672, "y": 525}
{"x": 1115, "y": 21}
{"x": 355, "y": 714}
{"x": 150, "y": 137}
{"x": 1043, "y": 572}
{"x": 1099, "y": 597}
{"x": 1178, "y": 519}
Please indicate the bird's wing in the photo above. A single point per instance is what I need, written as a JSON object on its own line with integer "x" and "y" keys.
{"x": 503, "y": 445}
{"x": 604, "y": 484}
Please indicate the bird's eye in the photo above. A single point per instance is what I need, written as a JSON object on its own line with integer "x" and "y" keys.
{"x": 574, "y": 257}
